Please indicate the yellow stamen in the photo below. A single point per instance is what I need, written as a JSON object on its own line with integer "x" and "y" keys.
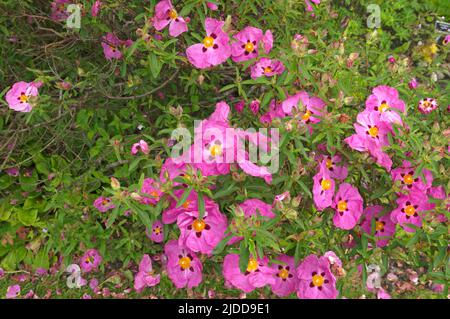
{"x": 267, "y": 69}
{"x": 329, "y": 163}
{"x": 317, "y": 280}
{"x": 342, "y": 205}
{"x": 184, "y": 263}
{"x": 373, "y": 131}
{"x": 216, "y": 150}
{"x": 383, "y": 107}
{"x": 306, "y": 116}
{"x": 249, "y": 47}
{"x": 198, "y": 225}
{"x": 408, "y": 179}
{"x": 173, "y": 14}
{"x": 23, "y": 98}
{"x": 283, "y": 274}
{"x": 208, "y": 42}
{"x": 410, "y": 210}
{"x": 379, "y": 226}
{"x": 252, "y": 265}
{"x": 325, "y": 184}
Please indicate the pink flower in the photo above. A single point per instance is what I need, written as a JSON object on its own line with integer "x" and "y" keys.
{"x": 14, "y": 171}
{"x": 90, "y": 260}
{"x": 170, "y": 215}
{"x": 285, "y": 276}
{"x": 13, "y": 292}
{"x": 257, "y": 275}
{"x": 165, "y": 14}
{"x": 239, "y": 106}
{"x": 248, "y": 41}
{"x": 406, "y": 176}
{"x": 212, "y": 6}
{"x": 254, "y": 106}
{"x": 104, "y": 204}
{"x": 59, "y": 10}
{"x": 111, "y": 45}
{"x": 202, "y": 235}
{"x": 384, "y": 228}
{"x": 410, "y": 210}
{"x": 336, "y": 172}
{"x": 391, "y": 59}
{"x": 141, "y": 145}
{"x": 446, "y": 40}
{"x": 153, "y": 189}
{"x": 275, "y": 111}
{"x": 214, "y": 49}
{"x": 266, "y": 67}
{"x": 383, "y": 100}
{"x": 427, "y": 105}
{"x": 371, "y": 136}
{"x": 314, "y": 106}
{"x": 216, "y": 145}
{"x": 413, "y": 84}
{"x": 183, "y": 266}
{"x": 315, "y": 279}
{"x": 157, "y": 232}
{"x": 309, "y": 7}
{"x": 323, "y": 188}
{"x": 383, "y": 294}
{"x": 21, "y": 97}
{"x": 332, "y": 258}
{"x": 348, "y": 205}
{"x": 145, "y": 277}
{"x": 96, "y": 8}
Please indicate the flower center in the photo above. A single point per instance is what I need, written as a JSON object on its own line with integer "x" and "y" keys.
{"x": 379, "y": 226}
{"x": 408, "y": 179}
{"x": 410, "y": 210}
{"x": 89, "y": 259}
{"x": 216, "y": 150}
{"x": 306, "y": 116}
{"x": 283, "y": 274}
{"x": 23, "y": 98}
{"x": 184, "y": 263}
{"x": 384, "y": 106}
{"x": 173, "y": 14}
{"x": 252, "y": 265}
{"x": 317, "y": 280}
{"x": 208, "y": 42}
{"x": 157, "y": 230}
{"x": 373, "y": 131}
{"x": 104, "y": 202}
{"x": 198, "y": 225}
{"x": 267, "y": 69}
{"x": 329, "y": 163}
{"x": 249, "y": 47}
{"x": 186, "y": 204}
{"x": 342, "y": 205}
{"x": 154, "y": 194}
{"x": 426, "y": 104}
{"x": 326, "y": 184}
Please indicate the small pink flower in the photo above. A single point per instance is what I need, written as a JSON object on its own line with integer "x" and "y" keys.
{"x": 239, "y": 106}
{"x": 254, "y": 106}
{"x": 183, "y": 266}
{"x": 111, "y": 46}
{"x": 248, "y": 41}
{"x": 413, "y": 84}
{"x": 384, "y": 228}
{"x": 406, "y": 175}
{"x": 383, "y": 100}
{"x": 285, "y": 276}
{"x": 427, "y": 105}
{"x": 266, "y": 67}
{"x": 214, "y": 49}
{"x": 257, "y": 275}
{"x": 446, "y": 40}
{"x": 152, "y": 190}
{"x": 90, "y": 260}
{"x": 96, "y": 8}
{"x": 103, "y": 204}
{"x": 315, "y": 279}
{"x": 202, "y": 235}
{"x": 165, "y": 14}
{"x": 212, "y": 6}
{"x": 391, "y": 59}
{"x": 157, "y": 232}
{"x": 332, "y": 258}
{"x": 21, "y": 97}
{"x": 336, "y": 172}
{"x": 314, "y": 106}
{"x": 309, "y": 7}
{"x": 142, "y": 146}
{"x": 410, "y": 210}
{"x": 383, "y": 294}
{"x": 348, "y": 206}
{"x": 13, "y": 172}
{"x": 145, "y": 277}
{"x": 323, "y": 188}
{"x": 13, "y": 292}
{"x": 59, "y": 10}
{"x": 275, "y": 111}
